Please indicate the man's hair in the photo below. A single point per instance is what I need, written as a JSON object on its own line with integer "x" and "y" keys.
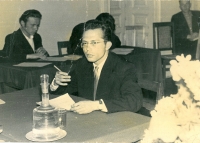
{"x": 96, "y": 24}
{"x": 184, "y": 0}
{"x": 30, "y": 13}
{"x": 108, "y": 19}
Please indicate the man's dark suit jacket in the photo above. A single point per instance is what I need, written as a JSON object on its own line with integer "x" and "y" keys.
{"x": 181, "y": 29}
{"x": 117, "y": 84}
{"x": 16, "y": 46}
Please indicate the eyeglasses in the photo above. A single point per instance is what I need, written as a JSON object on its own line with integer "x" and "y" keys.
{"x": 93, "y": 43}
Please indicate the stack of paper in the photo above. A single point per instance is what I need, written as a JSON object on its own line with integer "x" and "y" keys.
{"x": 32, "y": 64}
{"x": 73, "y": 57}
{"x": 2, "y": 102}
{"x": 52, "y": 59}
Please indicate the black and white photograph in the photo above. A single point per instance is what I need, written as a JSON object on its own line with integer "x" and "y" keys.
{"x": 100, "y": 71}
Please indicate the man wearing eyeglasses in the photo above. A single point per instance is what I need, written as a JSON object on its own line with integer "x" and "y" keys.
{"x": 186, "y": 29}
{"x": 109, "y": 82}
{"x": 25, "y": 43}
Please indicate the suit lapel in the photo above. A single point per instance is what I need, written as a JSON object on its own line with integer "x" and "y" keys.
{"x": 25, "y": 42}
{"x": 184, "y": 22}
{"x": 106, "y": 76}
{"x": 88, "y": 80}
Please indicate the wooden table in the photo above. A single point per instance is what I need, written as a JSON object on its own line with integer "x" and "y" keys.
{"x": 16, "y": 118}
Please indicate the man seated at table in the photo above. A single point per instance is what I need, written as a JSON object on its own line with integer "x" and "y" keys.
{"x": 25, "y": 43}
{"x": 117, "y": 88}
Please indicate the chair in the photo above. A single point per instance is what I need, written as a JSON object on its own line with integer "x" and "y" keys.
{"x": 164, "y": 40}
{"x": 163, "y": 36}
{"x": 63, "y": 46}
{"x": 149, "y": 69}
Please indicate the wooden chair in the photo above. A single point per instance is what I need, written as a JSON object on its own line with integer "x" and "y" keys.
{"x": 63, "y": 46}
{"x": 164, "y": 40}
{"x": 163, "y": 36}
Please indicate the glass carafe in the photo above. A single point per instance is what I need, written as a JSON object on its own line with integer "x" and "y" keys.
{"x": 45, "y": 117}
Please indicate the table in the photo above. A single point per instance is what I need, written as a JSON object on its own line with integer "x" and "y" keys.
{"x": 26, "y": 77}
{"x": 16, "y": 118}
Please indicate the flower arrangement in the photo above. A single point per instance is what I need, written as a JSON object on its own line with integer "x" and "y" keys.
{"x": 176, "y": 119}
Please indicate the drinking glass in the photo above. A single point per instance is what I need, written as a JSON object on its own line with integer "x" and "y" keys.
{"x": 62, "y": 118}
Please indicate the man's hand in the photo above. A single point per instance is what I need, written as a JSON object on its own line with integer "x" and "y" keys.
{"x": 84, "y": 107}
{"x": 42, "y": 53}
{"x": 61, "y": 78}
{"x": 39, "y": 53}
{"x": 193, "y": 36}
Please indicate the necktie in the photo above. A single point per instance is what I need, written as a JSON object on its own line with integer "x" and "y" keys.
{"x": 96, "y": 79}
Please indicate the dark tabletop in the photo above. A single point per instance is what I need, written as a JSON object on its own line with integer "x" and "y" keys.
{"x": 17, "y": 113}
{"x": 26, "y": 77}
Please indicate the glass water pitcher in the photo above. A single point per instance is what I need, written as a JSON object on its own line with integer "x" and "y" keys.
{"x": 45, "y": 116}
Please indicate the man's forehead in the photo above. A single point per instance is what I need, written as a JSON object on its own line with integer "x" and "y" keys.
{"x": 33, "y": 20}
{"x": 93, "y": 34}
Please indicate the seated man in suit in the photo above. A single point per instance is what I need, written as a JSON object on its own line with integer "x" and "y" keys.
{"x": 108, "y": 81}
{"x": 25, "y": 43}
{"x": 186, "y": 29}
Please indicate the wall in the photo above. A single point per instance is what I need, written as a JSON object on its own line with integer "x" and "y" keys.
{"x": 59, "y": 18}
{"x": 168, "y": 8}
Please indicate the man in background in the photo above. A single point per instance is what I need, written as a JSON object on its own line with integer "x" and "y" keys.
{"x": 109, "y": 19}
{"x": 109, "y": 82}
{"x": 186, "y": 29}
{"x": 25, "y": 43}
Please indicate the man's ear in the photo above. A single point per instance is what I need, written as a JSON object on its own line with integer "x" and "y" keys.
{"x": 22, "y": 23}
{"x": 108, "y": 45}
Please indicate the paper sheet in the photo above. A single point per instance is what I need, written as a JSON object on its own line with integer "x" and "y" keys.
{"x": 63, "y": 101}
{"x": 32, "y": 64}
{"x": 2, "y": 102}
{"x": 72, "y": 57}
{"x": 59, "y": 59}
{"x": 122, "y": 51}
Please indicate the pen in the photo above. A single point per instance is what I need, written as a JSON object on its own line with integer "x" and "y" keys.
{"x": 57, "y": 68}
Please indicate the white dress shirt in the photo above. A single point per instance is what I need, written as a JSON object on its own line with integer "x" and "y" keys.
{"x": 30, "y": 41}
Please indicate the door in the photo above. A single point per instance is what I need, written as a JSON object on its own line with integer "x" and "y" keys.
{"x": 117, "y": 11}
{"x": 134, "y": 20}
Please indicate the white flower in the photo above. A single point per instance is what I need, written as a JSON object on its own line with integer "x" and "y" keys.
{"x": 177, "y": 118}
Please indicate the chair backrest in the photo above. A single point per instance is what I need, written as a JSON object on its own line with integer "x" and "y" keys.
{"x": 163, "y": 36}
{"x": 149, "y": 69}
{"x": 62, "y": 47}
